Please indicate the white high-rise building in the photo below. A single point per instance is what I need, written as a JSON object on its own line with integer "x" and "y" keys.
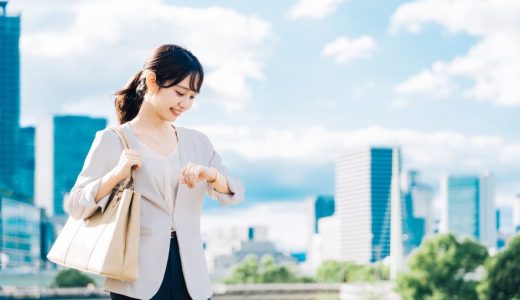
{"x": 363, "y": 202}
{"x": 322, "y": 235}
{"x": 323, "y": 245}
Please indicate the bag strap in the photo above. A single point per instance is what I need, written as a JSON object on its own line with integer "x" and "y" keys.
{"x": 122, "y": 137}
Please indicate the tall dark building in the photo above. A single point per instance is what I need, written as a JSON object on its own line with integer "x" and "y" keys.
{"x": 9, "y": 97}
{"x": 25, "y": 176}
{"x": 323, "y": 206}
{"x": 62, "y": 144}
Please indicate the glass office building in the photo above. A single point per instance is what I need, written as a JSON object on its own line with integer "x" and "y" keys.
{"x": 25, "y": 176}
{"x": 469, "y": 207}
{"x": 20, "y": 235}
{"x": 62, "y": 146}
{"x": 417, "y": 210}
{"x": 322, "y": 206}
{"x": 9, "y": 96}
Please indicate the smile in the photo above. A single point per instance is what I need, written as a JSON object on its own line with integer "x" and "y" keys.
{"x": 176, "y": 113}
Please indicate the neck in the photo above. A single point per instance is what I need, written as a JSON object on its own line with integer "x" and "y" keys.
{"x": 148, "y": 120}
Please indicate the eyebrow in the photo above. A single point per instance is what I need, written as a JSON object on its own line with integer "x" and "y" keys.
{"x": 187, "y": 89}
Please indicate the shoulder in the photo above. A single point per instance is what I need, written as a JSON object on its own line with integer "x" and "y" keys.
{"x": 195, "y": 135}
{"x": 106, "y": 137}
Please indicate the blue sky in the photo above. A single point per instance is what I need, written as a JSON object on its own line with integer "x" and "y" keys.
{"x": 289, "y": 84}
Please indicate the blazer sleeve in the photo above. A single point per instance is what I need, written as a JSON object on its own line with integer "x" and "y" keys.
{"x": 235, "y": 184}
{"x": 101, "y": 158}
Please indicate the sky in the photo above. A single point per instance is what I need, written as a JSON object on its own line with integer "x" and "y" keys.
{"x": 291, "y": 84}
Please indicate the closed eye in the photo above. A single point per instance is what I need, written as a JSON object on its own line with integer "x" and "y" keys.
{"x": 182, "y": 95}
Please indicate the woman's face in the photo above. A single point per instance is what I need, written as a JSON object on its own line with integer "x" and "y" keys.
{"x": 171, "y": 102}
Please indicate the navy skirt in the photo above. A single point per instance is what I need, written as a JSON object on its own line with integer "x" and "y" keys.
{"x": 173, "y": 285}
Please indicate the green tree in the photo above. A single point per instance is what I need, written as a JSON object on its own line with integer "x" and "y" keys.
{"x": 502, "y": 280}
{"x": 249, "y": 270}
{"x": 270, "y": 272}
{"x": 442, "y": 269}
{"x": 245, "y": 272}
{"x": 339, "y": 271}
{"x": 72, "y": 278}
{"x": 332, "y": 271}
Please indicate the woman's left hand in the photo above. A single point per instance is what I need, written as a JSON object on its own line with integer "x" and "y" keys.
{"x": 192, "y": 173}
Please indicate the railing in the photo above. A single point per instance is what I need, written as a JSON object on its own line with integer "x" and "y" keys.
{"x": 294, "y": 291}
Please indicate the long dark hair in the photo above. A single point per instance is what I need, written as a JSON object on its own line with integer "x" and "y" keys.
{"x": 169, "y": 63}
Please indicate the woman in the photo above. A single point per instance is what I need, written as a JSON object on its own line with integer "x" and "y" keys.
{"x": 175, "y": 167}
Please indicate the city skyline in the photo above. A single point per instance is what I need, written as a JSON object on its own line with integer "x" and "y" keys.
{"x": 341, "y": 86}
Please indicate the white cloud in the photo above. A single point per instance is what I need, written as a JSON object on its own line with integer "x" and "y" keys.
{"x": 314, "y": 9}
{"x": 434, "y": 152}
{"x": 114, "y": 38}
{"x": 344, "y": 50}
{"x": 492, "y": 64}
{"x": 84, "y": 106}
{"x": 436, "y": 82}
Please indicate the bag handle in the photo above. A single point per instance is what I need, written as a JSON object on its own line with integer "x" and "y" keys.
{"x": 122, "y": 136}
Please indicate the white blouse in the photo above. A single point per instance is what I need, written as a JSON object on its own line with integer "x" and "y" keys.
{"x": 163, "y": 171}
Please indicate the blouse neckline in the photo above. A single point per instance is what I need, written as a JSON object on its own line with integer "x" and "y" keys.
{"x": 149, "y": 149}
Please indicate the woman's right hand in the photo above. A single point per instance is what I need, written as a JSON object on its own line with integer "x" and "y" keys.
{"x": 128, "y": 159}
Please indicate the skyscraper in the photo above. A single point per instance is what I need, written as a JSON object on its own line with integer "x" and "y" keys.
{"x": 9, "y": 96}
{"x": 25, "y": 176}
{"x": 468, "y": 208}
{"x": 322, "y": 232}
{"x": 62, "y": 144}
{"x": 321, "y": 206}
{"x": 417, "y": 210}
{"x": 20, "y": 240}
{"x": 363, "y": 198}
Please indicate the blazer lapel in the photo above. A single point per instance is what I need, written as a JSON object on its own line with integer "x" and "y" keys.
{"x": 185, "y": 157}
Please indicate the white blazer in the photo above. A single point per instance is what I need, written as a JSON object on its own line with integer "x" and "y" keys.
{"x": 194, "y": 146}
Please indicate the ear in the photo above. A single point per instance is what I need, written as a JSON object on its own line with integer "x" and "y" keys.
{"x": 151, "y": 82}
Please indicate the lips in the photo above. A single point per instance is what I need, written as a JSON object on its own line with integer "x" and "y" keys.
{"x": 175, "y": 112}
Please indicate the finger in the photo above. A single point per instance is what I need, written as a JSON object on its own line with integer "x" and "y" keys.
{"x": 193, "y": 176}
{"x": 181, "y": 176}
{"x": 136, "y": 163}
{"x": 187, "y": 177}
{"x": 196, "y": 173}
{"x": 190, "y": 178}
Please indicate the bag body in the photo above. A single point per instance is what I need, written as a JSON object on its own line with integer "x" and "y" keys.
{"x": 105, "y": 243}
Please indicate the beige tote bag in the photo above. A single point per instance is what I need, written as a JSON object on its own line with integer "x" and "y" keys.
{"x": 105, "y": 243}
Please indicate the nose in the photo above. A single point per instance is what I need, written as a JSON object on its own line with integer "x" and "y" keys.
{"x": 184, "y": 103}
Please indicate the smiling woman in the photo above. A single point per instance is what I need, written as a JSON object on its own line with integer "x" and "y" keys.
{"x": 175, "y": 167}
